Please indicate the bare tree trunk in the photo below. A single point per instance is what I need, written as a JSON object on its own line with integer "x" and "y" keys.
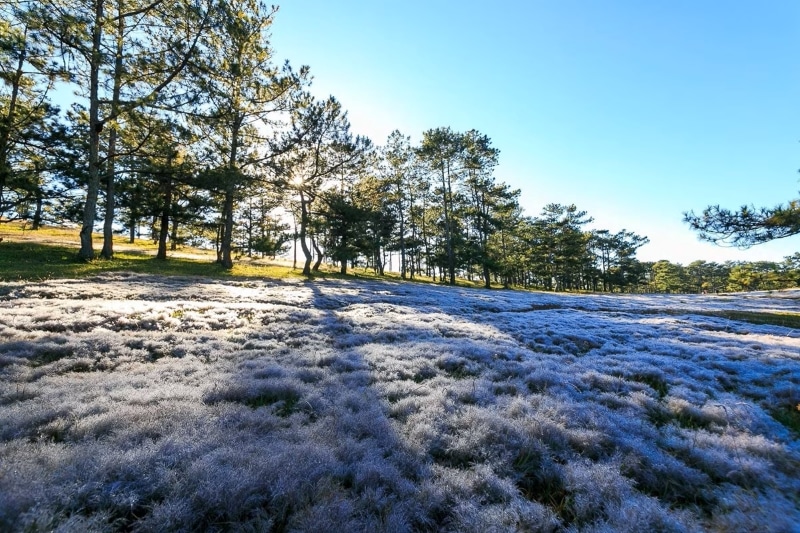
{"x": 451, "y": 264}
{"x": 402, "y": 233}
{"x": 303, "y": 228}
{"x": 37, "y": 215}
{"x": 108, "y": 224}
{"x": 173, "y": 238}
{"x": 343, "y": 266}
{"x": 165, "y": 212}
{"x": 226, "y": 260}
{"x": 95, "y": 127}
{"x": 318, "y": 262}
{"x": 227, "y": 210}
{"x": 250, "y": 228}
{"x": 218, "y": 242}
{"x": 294, "y": 248}
{"x": 132, "y": 223}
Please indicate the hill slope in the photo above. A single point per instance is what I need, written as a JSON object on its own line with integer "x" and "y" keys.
{"x": 154, "y": 403}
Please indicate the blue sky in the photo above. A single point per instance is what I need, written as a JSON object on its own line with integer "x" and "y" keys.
{"x": 634, "y": 111}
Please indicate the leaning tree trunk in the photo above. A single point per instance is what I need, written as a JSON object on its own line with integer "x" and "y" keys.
{"x": 318, "y": 262}
{"x": 303, "y": 229}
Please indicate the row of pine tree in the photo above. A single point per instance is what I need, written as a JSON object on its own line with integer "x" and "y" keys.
{"x": 179, "y": 125}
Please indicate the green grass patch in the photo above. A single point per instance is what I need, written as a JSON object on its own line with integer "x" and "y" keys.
{"x": 689, "y": 420}
{"x": 52, "y": 253}
{"x": 539, "y": 479}
{"x": 286, "y": 401}
{"x": 51, "y": 355}
{"x": 35, "y": 261}
{"x": 789, "y": 416}
{"x": 32, "y": 261}
{"x": 771, "y": 318}
{"x": 15, "y": 230}
{"x": 786, "y": 319}
{"x": 654, "y": 381}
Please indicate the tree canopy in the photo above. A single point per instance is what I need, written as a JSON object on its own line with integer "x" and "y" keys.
{"x": 185, "y": 130}
{"x": 748, "y": 226}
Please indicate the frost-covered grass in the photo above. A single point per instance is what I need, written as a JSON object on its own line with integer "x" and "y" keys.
{"x": 134, "y": 402}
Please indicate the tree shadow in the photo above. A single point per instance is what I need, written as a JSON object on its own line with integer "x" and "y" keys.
{"x": 338, "y": 405}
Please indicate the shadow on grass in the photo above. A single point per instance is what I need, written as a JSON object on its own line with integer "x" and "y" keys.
{"x": 333, "y": 460}
{"x": 26, "y": 261}
{"x": 328, "y": 416}
{"x": 33, "y": 261}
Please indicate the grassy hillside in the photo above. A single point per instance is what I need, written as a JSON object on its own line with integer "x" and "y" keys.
{"x": 51, "y": 253}
{"x": 152, "y": 403}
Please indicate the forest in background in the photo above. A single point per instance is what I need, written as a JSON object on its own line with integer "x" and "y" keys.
{"x": 186, "y": 131}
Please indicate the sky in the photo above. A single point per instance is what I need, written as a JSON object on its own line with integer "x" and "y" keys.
{"x": 634, "y": 111}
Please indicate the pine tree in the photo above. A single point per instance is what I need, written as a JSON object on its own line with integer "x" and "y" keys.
{"x": 242, "y": 97}
{"x": 746, "y": 227}
{"x": 29, "y": 126}
{"x": 323, "y": 148}
{"x": 122, "y": 56}
{"x": 442, "y": 149}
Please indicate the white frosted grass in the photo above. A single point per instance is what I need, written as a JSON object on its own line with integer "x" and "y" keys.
{"x": 152, "y": 404}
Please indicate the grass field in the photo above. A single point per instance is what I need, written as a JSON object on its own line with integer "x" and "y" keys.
{"x": 140, "y": 401}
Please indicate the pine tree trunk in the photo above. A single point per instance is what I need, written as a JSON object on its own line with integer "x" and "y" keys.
{"x": 303, "y": 229}
{"x": 132, "y": 223}
{"x": 451, "y": 267}
{"x": 37, "y": 215}
{"x": 108, "y": 223}
{"x": 226, "y": 259}
{"x": 95, "y": 127}
{"x": 108, "y": 228}
{"x": 173, "y": 238}
{"x": 318, "y": 262}
{"x": 165, "y": 212}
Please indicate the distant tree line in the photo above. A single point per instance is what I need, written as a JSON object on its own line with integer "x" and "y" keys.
{"x": 185, "y": 130}
{"x": 731, "y": 276}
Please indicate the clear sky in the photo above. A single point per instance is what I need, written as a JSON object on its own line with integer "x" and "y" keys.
{"x": 635, "y": 111}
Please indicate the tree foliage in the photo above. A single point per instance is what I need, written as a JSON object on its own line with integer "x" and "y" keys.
{"x": 748, "y": 226}
{"x": 186, "y": 130}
